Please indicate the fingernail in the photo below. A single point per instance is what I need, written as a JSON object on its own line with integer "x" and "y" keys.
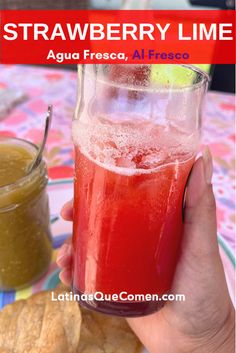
{"x": 208, "y": 165}
{"x": 61, "y": 276}
{"x": 62, "y": 252}
{"x": 64, "y": 277}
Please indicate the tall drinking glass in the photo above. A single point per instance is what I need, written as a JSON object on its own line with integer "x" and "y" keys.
{"x": 136, "y": 133}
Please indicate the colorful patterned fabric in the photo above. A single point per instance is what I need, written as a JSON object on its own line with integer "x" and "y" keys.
{"x": 45, "y": 86}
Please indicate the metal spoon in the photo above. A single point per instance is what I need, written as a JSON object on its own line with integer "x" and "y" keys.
{"x": 38, "y": 156}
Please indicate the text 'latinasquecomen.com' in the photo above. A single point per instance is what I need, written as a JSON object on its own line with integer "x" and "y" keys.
{"x": 121, "y": 297}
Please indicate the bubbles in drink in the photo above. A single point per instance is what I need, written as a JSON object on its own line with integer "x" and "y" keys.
{"x": 133, "y": 143}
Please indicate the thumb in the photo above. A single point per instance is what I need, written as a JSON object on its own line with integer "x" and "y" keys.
{"x": 200, "y": 208}
{"x": 199, "y": 274}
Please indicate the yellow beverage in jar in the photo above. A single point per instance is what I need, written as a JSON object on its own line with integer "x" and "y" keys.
{"x": 25, "y": 238}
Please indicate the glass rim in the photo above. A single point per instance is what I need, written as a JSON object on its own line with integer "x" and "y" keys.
{"x": 205, "y": 79}
{"x": 23, "y": 179}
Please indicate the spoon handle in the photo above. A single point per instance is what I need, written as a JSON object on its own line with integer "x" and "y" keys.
{"x": 38, "y": 157}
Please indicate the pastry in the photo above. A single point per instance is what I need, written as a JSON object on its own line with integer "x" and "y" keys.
{"x": 39, "y": 325}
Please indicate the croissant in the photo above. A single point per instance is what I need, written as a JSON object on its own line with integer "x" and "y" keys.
{"x": 39, "y": 325}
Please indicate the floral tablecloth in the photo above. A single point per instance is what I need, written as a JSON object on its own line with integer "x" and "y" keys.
{"x": 44, "y": 86}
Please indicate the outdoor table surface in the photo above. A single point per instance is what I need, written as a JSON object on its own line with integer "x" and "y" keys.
{"x": 45, "y": 85}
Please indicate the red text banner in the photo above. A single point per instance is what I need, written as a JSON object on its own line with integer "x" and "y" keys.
{"x": 124, "y": 36}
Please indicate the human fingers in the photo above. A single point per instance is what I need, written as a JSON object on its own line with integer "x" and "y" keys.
{"x": 67, "y": 211}
{"x": 66, "y": 276}
{"x": 64, "y": 261}
{"x": 64, "y": 257}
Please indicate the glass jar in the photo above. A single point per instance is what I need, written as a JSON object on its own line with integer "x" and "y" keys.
{"x": 25, "y": 238}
